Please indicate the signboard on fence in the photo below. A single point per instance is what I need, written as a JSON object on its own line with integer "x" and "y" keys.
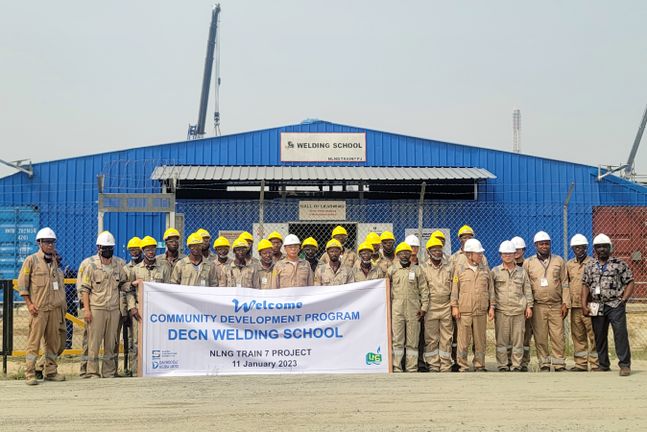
{"x": 227, "y": 331}
{"x": 322, "y": 210}
{"x": 323, "y": 147}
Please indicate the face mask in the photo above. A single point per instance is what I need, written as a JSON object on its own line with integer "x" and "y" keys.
{"x": 107, "y": 253}
{"x": 404, "y": 261}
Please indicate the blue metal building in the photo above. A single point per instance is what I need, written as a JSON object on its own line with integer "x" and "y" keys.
{"x": 500, "y": 193}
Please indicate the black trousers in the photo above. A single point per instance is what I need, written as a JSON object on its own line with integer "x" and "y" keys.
{"x": 617, "y": 317}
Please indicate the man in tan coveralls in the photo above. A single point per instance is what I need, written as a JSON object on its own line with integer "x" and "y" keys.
{"x": 103, "y": 280}
{"x": 39, "y": 283}
{"x": 347, "y": 256}
{"x": 549, "y": 282}
{"x": 513, "y": 298}
{"x": 266, "y": 252}
{"x": 240, "y": 273}
{"x": 439, "y": 326}
{"x": 195, "y": 269}
{"x": 472, "y": 303}
{"x": 409, "y": 303}
{"x": 221, "y": 245}
{"x": 172, "y": 254}
{"x": 292, "y": 271}
{"x": 584, "y": 352}
{"x": 333, "y": 271}
{"x": 364, "y": 269}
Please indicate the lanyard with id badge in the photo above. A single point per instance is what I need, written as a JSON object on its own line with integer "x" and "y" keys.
{"x": 412, "y": 276}
{"x": 544, "y": 280}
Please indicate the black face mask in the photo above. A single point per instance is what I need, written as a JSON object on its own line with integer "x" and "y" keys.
{"x": 404, "y": 262}
{"x": 107, "y": 252}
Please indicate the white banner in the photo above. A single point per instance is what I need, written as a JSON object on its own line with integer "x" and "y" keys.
{"x": 323, "y": 147}
{"x": 225, "y": 331}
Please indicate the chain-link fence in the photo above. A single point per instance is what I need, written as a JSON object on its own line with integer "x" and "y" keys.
{"x": 76, "y": 226}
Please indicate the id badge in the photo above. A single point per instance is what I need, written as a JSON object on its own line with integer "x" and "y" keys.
{"x": 203, "y": 282}
{"x": 55, "y": 285}
{"x": 264, "y": 280}
{"x": 412, "y": 276}
{"x": 596, "y": 291}
{"x": 544, "y": 282}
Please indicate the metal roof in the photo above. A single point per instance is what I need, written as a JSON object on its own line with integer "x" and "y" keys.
{"x": 313, "y": 173}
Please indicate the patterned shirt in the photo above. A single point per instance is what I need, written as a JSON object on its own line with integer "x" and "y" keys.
{"x": 607, "y": 282}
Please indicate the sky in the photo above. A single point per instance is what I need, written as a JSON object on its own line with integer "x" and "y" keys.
{"x": 82, "y": 77}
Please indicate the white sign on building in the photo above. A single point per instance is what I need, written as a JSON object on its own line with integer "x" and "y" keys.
{"x": 322, "y": 210}
{"x": 323, "y": 147}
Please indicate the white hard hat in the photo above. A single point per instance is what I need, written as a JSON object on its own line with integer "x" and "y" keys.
{"x": 46, "y": 233}
{"x": 518, "y": 242}
{"x": 601, "y": 239}
{"x": 473, "y": 245}
{"x": 541, "y": 236}
{"x": 291, "y": 239}
{"x": 105, "y": 239}
{"x": 412, "y": 240}
{"x": 579, "y": 240}
{"x": 507, "y": 247}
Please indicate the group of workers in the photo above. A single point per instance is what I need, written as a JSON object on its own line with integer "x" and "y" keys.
{"x": 445, "y": 298}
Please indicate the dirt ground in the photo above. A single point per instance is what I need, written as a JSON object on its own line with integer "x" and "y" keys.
{"x": 566, "y": 401}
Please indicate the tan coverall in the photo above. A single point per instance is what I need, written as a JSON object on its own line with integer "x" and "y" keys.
{"x": 156, "y": 272}
{"x": 439, "y": 326}
{"x": 375, "y": 272}
{"x": 84, "y": 339}
{"x": 473, "y": 294}
{"x": 204, "y": 274}
{"x": 164, "y": 259}
{"x": 384, "y": 262}
{"x": 326, "y": 276}
{"x": 348, "y": 258}
{"x": 581, "y": 328}
{"x": 546, "y": 315}
{"x": 103, "y": 283}
{"x": 220, "y": 268}
{"x": 512, "y": 296}
{"x": 42, "y": 282}
{"x": 287, "y": 274}
{"x": 246, "y": 276}
{"x": 265, "y": 275}
{"x": 409, "y": 295}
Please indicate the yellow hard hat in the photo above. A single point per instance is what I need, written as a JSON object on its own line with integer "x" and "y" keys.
{"x": 264, "y": 244}
{"x": 333, "y": 243}
{"x": 387, "y": 235}
{"x": 339, "y": 230}
{"x": 310, "y": 241}
{"x": 438, "y": 234}
{"x": 433, "y": 241}
{"x": 274, "y": 235}
{"x": 240, "y": 243}
{"x": 134, "y": 242}
{"x": 373, "y": 238}
{"x": 365, "y": 246}
{"x": 171, "y": 232}
{"x": 194, "y": 239}
{"x": 203, "y": 233}
{"x": 220, "y": 242}
{"x": 246, "y": 236}
{"x": 403, "y": 247}
{"x": 148, "y": 241}
{"x": 465, "y": 229}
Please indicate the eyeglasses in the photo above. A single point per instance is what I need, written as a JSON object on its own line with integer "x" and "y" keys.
{"x": 48, "y": 241}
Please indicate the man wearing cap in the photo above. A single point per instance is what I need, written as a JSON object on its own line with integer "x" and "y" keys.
{"x": 414, "y": 242}
{"x": 472, "y": 302}
{"x": 584, "y": 352}
{"x": 221, "y": 246}
{"x": 333, "y": 272}
{"x": 549, "y": 282}
{"x": 364, "y": 269}
{"x": 348, "y": 258}
{"x": 388, "y": 249}
{"x": 266, "y": 265}
{"x": 136, "y": 257}
{"x": 103, "y": 279}
{"x": 241, "y": 273}
{"x": 607, "y": 285}
{"x": 292, "y": 271}
{"x": 519, "y": 258}
{"x": 438, "y": 234}
{"x": 249, "y": 238}
{"x": 149, "y": 270}
{"x": 310, "y": 248}
{"x": 195, "y": 269}
{"x": 206, "y": 243}
{"x": 438, "y": 324}
{"x": 409, "y": 303}
{"x": 277, "y": 242}
{"x": 514, "y": 302}
{"x": 464, "y": 233}
{"x": 373, "y": 239}
{"x": 172, "y": 254}
{"x": 40, "y": 285}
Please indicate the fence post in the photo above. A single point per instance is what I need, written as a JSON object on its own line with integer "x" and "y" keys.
{"x": 567, "y": 323}
{"x": 261, "y": 210}
{"x": 7, "y": 323}
{"x": 421, "y": 204}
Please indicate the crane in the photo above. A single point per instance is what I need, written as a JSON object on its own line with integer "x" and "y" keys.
{"x": 197, "y": 130}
